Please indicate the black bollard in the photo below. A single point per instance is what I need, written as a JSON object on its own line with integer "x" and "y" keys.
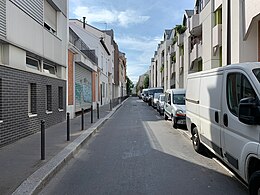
{"x": 68, "y": 126}
{"x": 82, "y": 119}
{"x": 91, "y": 114}
{"x": 97, "y": 110}
{"x": 42, "y": 140}
{"x": 110, "y": 105}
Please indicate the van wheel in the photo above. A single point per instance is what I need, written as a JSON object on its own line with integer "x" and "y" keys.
{"x": 254, "y": 183}
{"x": 196, "y": 140}
{"x": 165, "y": 117}
{"x": 174, "y": 123}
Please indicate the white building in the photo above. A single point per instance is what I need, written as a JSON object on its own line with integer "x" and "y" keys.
{"x": 100, "y": 42}
{"x": 216, "y": 33}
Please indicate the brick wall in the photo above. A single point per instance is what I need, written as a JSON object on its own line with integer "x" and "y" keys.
{"x": 70, "y": 78}
{"x": 14, "y": 104}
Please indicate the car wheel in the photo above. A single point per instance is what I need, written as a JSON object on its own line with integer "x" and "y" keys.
{"x": 174, "y": 123}
{"x": 254, "y": 183}
{"x": 196, "y": 140}
{"x": 165, "y": 117}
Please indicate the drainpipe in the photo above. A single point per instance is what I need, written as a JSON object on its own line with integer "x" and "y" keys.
{"x": 228, "y": 33}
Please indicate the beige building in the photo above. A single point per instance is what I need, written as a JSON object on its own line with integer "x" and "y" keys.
{"x": 215, "y": 33}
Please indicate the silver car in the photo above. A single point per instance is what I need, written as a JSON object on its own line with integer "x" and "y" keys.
{"x": 160, "y": 104}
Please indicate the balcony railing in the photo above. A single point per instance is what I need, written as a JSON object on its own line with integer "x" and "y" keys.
{"x": 217, "y": 35}
{"x": 196, "y": 52}
{"x": 195, "y": 25}
{"x": 78, "y": 43}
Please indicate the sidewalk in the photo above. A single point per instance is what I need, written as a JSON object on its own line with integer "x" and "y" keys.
{"x": 21, "y": 164}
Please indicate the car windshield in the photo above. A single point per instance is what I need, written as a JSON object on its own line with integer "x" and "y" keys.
{"x": 257, "y": 74}
{"x": 152, "y": 91}
{"x": 179, "y": 99}
{"x": 162, "y": 98}
{"x": 156, "y": 95}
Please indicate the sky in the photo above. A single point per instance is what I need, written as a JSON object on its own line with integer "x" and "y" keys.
{"x": 138, "y": 25}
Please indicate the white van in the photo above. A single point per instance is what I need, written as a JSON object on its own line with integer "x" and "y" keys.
{"x": 174, "y": 106}
{"x": 223, "y": 114}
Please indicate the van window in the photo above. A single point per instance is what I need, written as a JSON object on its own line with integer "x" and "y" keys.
{"x": 238, "y": 87}
{"x": 179, "y": 99}
{"x": 257, "y": 74}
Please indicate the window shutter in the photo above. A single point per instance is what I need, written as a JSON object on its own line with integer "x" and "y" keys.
{"x": 2, "y": 18}
{"x": 50, "y": 15}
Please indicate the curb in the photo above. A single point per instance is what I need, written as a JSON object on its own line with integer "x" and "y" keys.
{"x": 35, "y": 182}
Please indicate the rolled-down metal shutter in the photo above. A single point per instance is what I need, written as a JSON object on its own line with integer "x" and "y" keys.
{"x": 3, "y": 18}
{"x": 83, "y": 88}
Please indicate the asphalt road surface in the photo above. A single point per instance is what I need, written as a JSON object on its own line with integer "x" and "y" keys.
{"x": 138, "y": 152}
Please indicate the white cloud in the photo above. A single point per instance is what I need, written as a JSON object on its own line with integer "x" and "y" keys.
{"x": 97, "y": 14}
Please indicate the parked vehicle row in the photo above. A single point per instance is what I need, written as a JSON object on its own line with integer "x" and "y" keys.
{"x": 221, "y": 109}
{"x": 223, "y": 115}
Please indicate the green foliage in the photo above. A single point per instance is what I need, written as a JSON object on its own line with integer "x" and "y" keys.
{"x": 174, "y": 40}
{"x": 162, "y": 68}
{"x": 146, "y": 82}
{"x": 174, "y": 58}
{"x": 180, "y": 28}
{"x": 129, "y": 85}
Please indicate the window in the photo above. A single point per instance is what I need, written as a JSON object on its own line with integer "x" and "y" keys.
{"x": 32, "y": 63}
{"x": 238, "y": 87}
{"x": 60, "y": 91}
{"x": 49, "y": 69}
{"x": 257, "y": 74}
{"x": 179, "y": 99}
{"x": 1, "y": 101}
{"x": 32, "y": 98}
{"x": 103, "y": 89}
{"x": 50, "y": 17}
{"x": 48, "y": 98}
{"x": 218, "y": 16}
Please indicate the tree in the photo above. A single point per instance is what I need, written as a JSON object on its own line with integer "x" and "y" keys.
{"x": 146, "y": 82}
{"x": 129, "y": 85}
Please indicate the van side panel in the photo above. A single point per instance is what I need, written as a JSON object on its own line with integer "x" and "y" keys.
{"x": 209, "y": 109}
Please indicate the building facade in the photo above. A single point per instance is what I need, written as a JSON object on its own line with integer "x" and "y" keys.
{"x": 33, "y": 62}
{"x": 215, "y": 33}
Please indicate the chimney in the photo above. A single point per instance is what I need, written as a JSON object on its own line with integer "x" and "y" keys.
{"x": 84, "y": 22}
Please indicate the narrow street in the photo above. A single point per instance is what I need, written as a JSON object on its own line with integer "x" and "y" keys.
{"x": 138, "y": 152}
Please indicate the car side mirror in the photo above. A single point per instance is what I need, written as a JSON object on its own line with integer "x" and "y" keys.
{"x": 249, "y": 111}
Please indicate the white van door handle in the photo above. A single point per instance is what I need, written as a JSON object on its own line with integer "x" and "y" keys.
{"x": 225, "y": 119}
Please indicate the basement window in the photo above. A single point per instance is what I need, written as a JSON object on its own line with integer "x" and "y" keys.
{"x": 49, "y": 69}
{"x": 32, "y": 63}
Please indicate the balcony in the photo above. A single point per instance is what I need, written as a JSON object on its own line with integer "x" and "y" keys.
{"x": 180, "y": 39}
{"x": 195, "y": 26}
{"x": 251, "y": 11}
{"x": 196, "y": 52}
{"x": 217, "y": 36}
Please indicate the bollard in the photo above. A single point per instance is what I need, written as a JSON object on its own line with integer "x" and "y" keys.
{"x": 68, "y": 126}
{"x": 97, "y": 110}
{"x": 42, "y": 140}
{"x": 110, "y": 105}
{"x": 91, "y": 114}
{"x": 82, "y": 119}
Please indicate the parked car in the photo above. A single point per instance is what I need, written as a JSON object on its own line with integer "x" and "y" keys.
{"x": 151, "y": 92}
{"x": 160, "y": 104}
{"x": 155, "y": 99}
{"x": 145, "y": 95}
{"x": 174, "y": 106}
{"x": 223, "y": 114}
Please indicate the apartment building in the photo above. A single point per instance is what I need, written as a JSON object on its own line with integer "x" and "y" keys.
{"x": 100, "y": 42}
{"x": 33, "y": 62}
{"x": 82, "y": 75}
{"x": 122, "y": 74}
{"x": 215, "y": 33}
